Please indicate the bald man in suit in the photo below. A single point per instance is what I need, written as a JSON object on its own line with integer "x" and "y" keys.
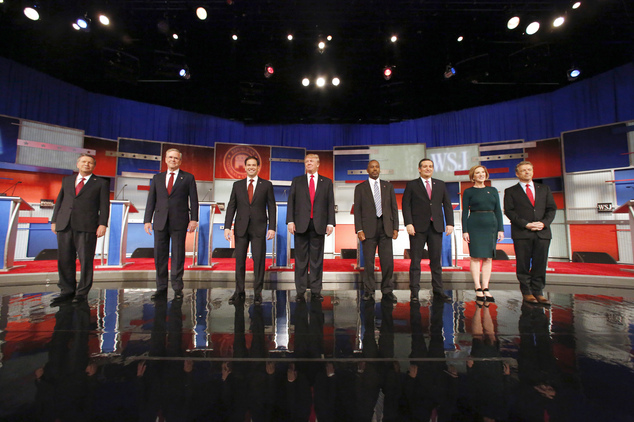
{"x": 252, "y": 202}
{"x": 310, "y": 216}
{"x": 172, "y": 210}
{"x": 80, "y": 217}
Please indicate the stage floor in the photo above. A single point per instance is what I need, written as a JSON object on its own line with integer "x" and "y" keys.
{"x": 123, "y": 357}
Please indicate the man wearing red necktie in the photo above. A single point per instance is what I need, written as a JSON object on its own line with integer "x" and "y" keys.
{"x": 531, "y": 208}
{"x": 249, "y": 202}
{"x": 172, "y": 210}
{"x": 80, "y": 216}
{"x": 310, "y": 216}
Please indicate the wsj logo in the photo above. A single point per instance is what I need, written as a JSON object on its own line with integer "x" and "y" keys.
{"x": 604, "y": 207}
{"x": 450, "y": 161}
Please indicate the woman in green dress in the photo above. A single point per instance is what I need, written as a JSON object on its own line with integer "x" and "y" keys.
{"x": 482, "y": 228}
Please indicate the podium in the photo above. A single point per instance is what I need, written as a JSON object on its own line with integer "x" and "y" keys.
{"x": 282, "y": 239}
{"x": 203, "y": 240}
{"x": 359, "y": 265}
{"x": 628, "y": 208}
{"x": 10, "y": 206}
{"x": 117, "y": 234}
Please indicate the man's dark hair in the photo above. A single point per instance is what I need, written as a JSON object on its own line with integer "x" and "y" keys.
{"x": 251, "y": 157}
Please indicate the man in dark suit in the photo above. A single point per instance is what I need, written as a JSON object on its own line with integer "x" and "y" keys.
{"x": 250, "y": 199}
{"x": 80, "y": 216}
{"x": 531, "y": 208}
{"x": 425, "y": 200}
{"x": 173, "y": 201}
{"x": 376, "y": 223}
{"x": 310, "y": 216}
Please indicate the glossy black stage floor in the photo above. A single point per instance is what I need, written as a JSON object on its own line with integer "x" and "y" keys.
{"x": 122, "y": 357}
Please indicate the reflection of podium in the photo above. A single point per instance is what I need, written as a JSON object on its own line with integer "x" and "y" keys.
{"x": 117, "y": 234}
{"x": 203, "y": 240}
{"x": 282, "y": 240}
{"x": 628, "y": 208}
{"x": 10, "y": 206}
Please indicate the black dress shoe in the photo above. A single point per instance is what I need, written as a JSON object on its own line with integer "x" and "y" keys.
{"x": 178, "y": 295}
{"x": 443, "y": 297}
{"x": 159, "y": 294}
{"x": 389, "y": 297}
{"x": 236, "y": 298}
{"x": 316, "y": 296}
{"x": 300, "y": 297}
{"x": 368, "y": 296}
{"x": 79, "y": 299}
{"x": 62, "y": 299}
{"x": 413, "y": 298}
{"x": 257, "y": 299}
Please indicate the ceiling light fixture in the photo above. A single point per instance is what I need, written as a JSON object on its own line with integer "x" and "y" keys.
{"x": 532, "y": 28}
{"x": 460, "y": 38}
{"x": 269, "y": 70}
{"x": 513, "y": 22}
{"x": 321, "y": 46}
{"x": 559, "y": 21}
{"x": 31, "y": 13}
{"x": 573, "y": 73}
{"x": 201, "y": 13}
{"x": 321, "y": 82}
{"x": 394, "y": 38}
{"x": 289, "y": 37}
{"x": 329, "y": 37}
{"x": 184, "y": 73}
{"x": 175, "y": 36}
{"x": 305, "y": 81}
{"x": 449, "y": 71}
{"x": 387, "y": 73}
{"x": 336, "y": 81}
{"x": 576, "y": 5}
{"x": 104, "y": 20}
{"x": 234, "y": 37}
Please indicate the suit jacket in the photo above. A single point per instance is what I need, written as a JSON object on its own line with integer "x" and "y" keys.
{"x": 298, "y": 211}
{"x": 419, "y": 209}
{"x": 365, "y": 209}
{"x": 180, "y": 207}
{"x": 86, "y": 211}
{"x": 519, "y": 210}
{"x": 254, "y": 212}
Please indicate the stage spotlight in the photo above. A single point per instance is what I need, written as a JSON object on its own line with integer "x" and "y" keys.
{"x": 329, "y": 37}
{"x": 234, "y": 37}
{"x": 104, "y": 20}
{"x": 336, "y": 81}
{"x": 83, "y": 23}
{"x": 320, "y": 82}
{"x": 532, "y": 28}
{"x": 576, "y": 5}
{"x": 268, "y": 70}
{"x": 460, "y": 38}
{"x": 184, "y": 73}
{"x": 394, "y": 38}
{"x": 305, "y": 82}
{"x": 201, "y": 13}
{"x": 31, "y": 13}
{"x": 175, "y": 36}
{"x": 289, "y": 37}
{"x": 387, "y": 73}
{"x": 321, "y": 46}
{"x": 559, "y": 21}
{"x": 449, "y": 71}
{"x": 573, "y": 73}
{"x": 513, "y": 22}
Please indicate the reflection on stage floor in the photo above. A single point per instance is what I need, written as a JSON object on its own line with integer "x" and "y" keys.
{"x": 123, "y": 357}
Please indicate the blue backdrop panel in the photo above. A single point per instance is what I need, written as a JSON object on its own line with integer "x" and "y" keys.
{"x": 137, "y": 165}
{"x": 597, "y": 148}
{"x": 624, "y": 190}
{"x": 556, "y": 184}
{"x": 9, "y": 130}
{"x": 453, "y": 188}
{"x": 40, "y": 237}
{"x": 138, "y": 238}
{"x": 284, "y": 170}
{"x": 343, "y": 163}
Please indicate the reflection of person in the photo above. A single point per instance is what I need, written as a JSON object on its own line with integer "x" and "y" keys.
{"x": 66, "y": 385}
{"x": 482, "y": 225}
{"x": 310, "y": 216}
{"x": 376, "y": 223}
{"x": 250, "y": 199}
{"x": 531, "y": 208}
{"x": 80, "y": 216}
{"x": 425, "y": 201}
{"x": 173, "y": 202}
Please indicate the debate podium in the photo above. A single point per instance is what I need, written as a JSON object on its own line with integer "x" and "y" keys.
{"x": 282, "y": 239}
{"x": 628, "y": 208}
{"x": 10, "y": 207}
{"x": 117, "y": 234}
{"x": 204, "y": 234}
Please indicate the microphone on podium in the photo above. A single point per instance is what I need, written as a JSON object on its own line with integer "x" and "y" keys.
{"x": 15, "y": 185}
{"x": 207, "y": 194}
{"x": 122, "y": 189}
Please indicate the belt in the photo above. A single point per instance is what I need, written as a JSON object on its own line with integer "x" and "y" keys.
{"x": 481, "y": 211}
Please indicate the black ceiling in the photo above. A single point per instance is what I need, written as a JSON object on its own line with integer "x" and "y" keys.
{"x": 493, "y": 64}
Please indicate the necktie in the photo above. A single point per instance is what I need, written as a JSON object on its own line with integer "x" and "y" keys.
{"x": 377, "y": 200}
{"x": 250, "y": 191}
{"x": 428, "y": 187}
{"x": 311, "y": 189}
{"x": 529, "y": 193}
{"x": 170, "y": 184}
{"x": 79, "y": 186}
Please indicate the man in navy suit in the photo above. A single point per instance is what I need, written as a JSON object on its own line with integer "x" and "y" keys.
{"x": 80, "y": 216}
{"x": 425, "y": 200}
{"x": 310, "y": 216}
{"x": 250, "y": 200}
{"x": 173, "y": 202}
{"x": 376, "y": 223}
{"x": 531, "y": 208}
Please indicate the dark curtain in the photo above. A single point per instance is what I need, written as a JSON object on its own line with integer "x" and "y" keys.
{"x": 604, "y": 99}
